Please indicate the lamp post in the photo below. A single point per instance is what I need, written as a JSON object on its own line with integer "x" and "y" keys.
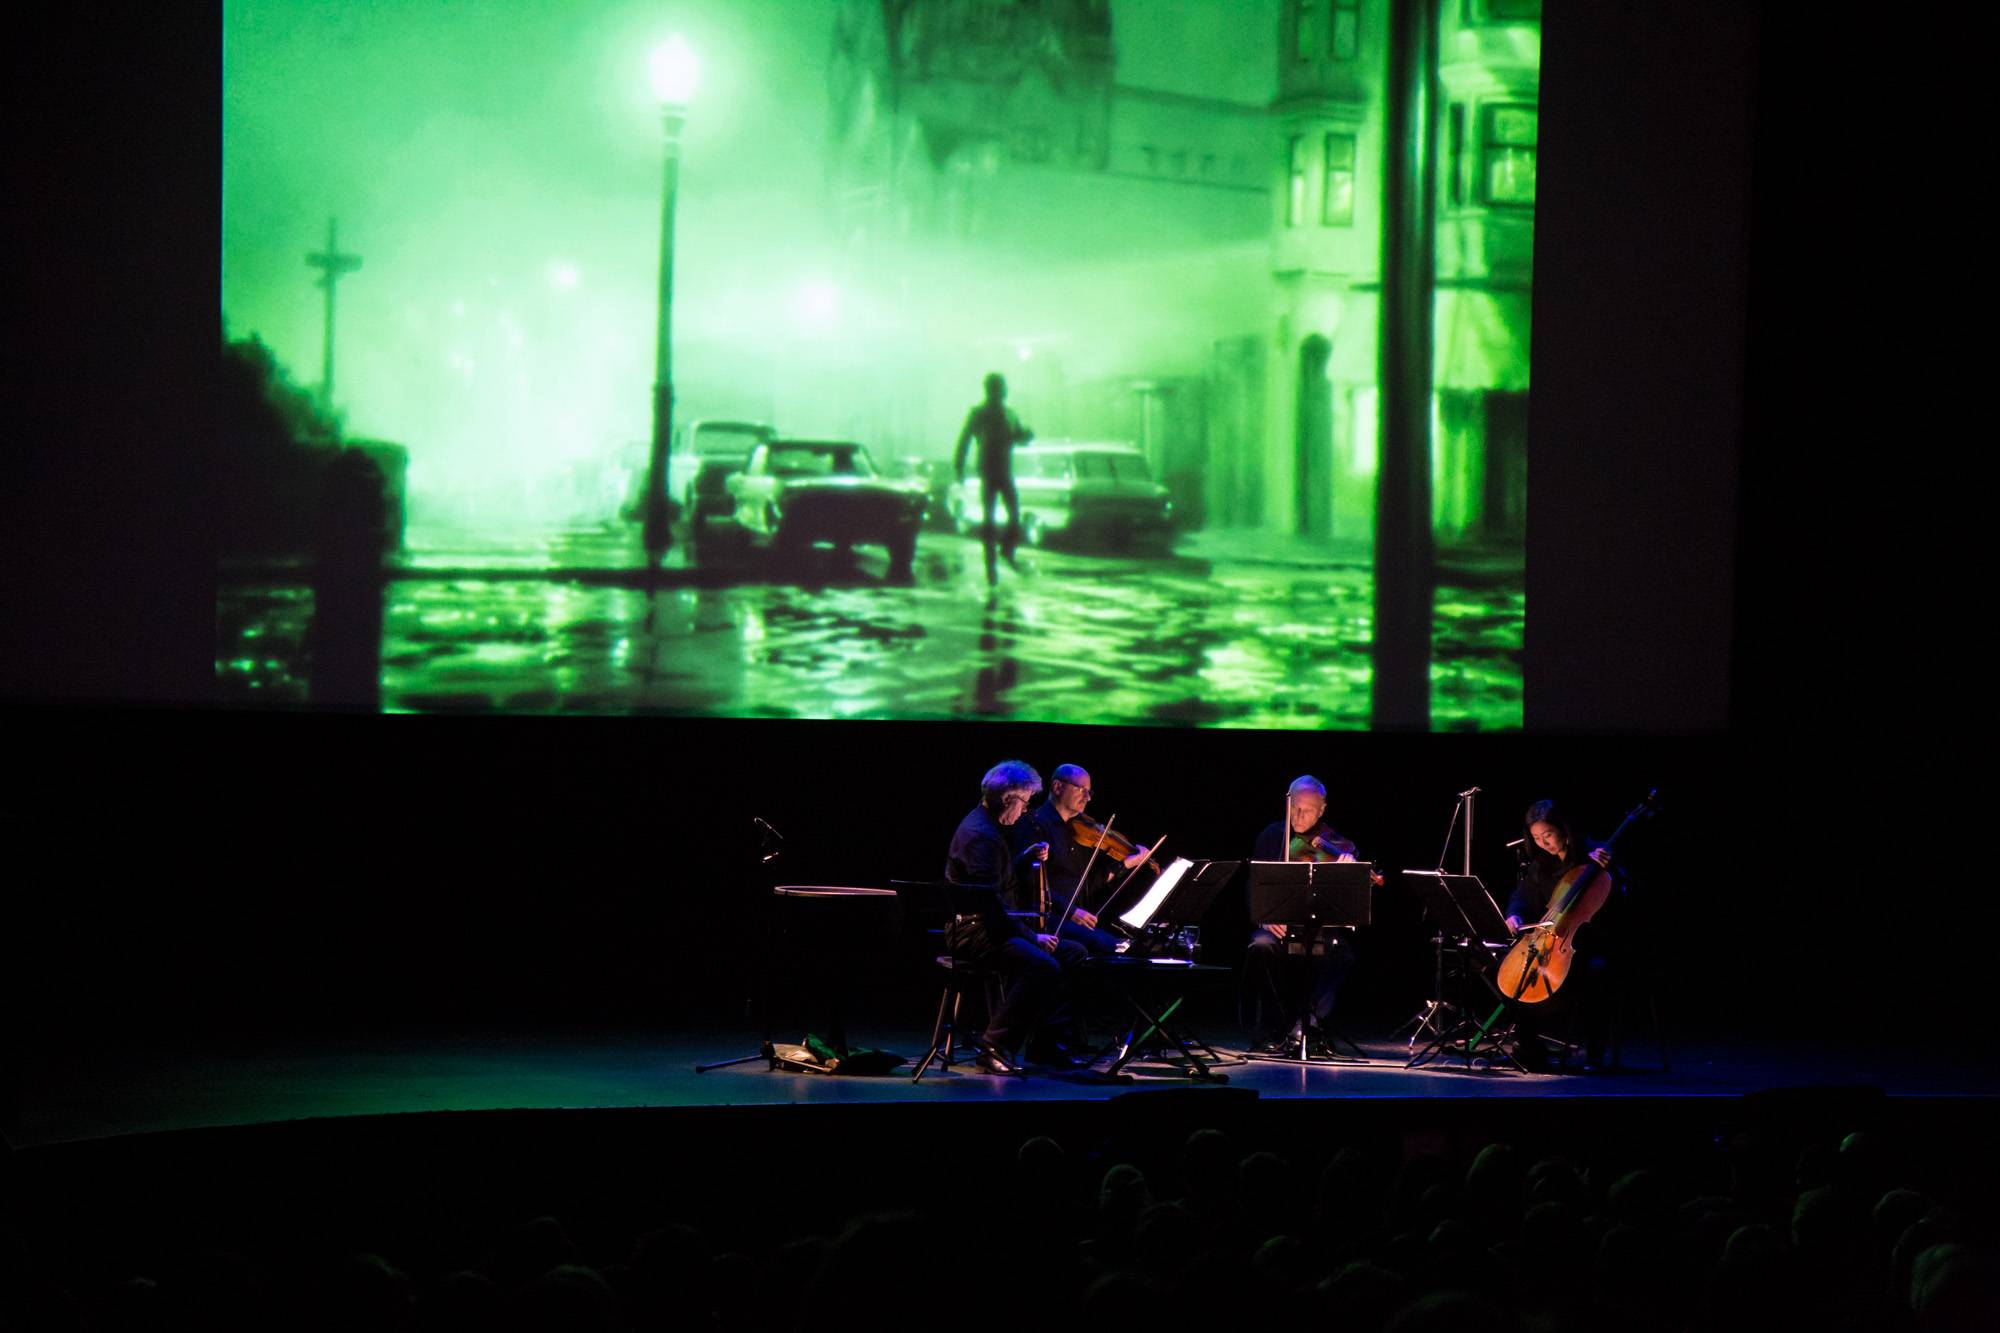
{"x": 675, "y": 71}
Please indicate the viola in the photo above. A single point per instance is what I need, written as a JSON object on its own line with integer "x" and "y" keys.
{"x": 1319, "y": 846}
{"x": 1535, "y": 967}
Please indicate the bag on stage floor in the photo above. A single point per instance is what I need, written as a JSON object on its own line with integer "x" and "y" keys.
{"x": 858, "y": 1060}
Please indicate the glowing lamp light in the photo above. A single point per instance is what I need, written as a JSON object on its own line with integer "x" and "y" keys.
{"x": 675, "y": 71}
{"x": 817, "y": 305}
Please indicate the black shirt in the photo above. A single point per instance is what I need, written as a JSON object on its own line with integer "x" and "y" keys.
{"x": 1067, "y": 857}
{"x": 980, "y": 855}
{"x": 1540, "y": 874}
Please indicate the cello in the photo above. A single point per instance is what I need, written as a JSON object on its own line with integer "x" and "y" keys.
{"x": 1539, "y": 961}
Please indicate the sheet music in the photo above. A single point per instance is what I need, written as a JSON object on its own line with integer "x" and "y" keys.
{"x": 1152, "y": 900}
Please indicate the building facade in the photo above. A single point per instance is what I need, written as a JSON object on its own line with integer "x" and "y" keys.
{"x": 1198, "y": 274}
{"x": 1319, "y": 365}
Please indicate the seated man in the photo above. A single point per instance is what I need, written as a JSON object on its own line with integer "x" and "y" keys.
{"x": 1031, "y": 962}
{"x": 1275, "y": 1018}
{"x": 1066, "y": 860}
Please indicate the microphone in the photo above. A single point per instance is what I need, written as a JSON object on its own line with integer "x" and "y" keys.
{"x": 1517, "y": 842}
{"x": 1469, "y": 791}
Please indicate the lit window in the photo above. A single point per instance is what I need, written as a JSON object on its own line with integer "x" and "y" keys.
{"x": 1346, "y": 35}
{"x": 1337, "y": 203}
{"x": 1454, "y": 140}
{"x": 1475, "y": 12}
{"x": 1508, "y": 151}
{"x": 1295, "y": 198}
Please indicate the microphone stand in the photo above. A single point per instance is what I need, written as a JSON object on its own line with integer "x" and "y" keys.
{"x": 1432, "y": 1016}
{"x": 768, "y": 850}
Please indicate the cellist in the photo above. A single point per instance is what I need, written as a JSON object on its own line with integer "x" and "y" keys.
{"x": 1069, "y": 794}
{"x": 1556, "y": 850}
{"x": 1273, "y": 1019}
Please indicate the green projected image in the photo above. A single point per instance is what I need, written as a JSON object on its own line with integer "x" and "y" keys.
{"x": 601, "y": 357}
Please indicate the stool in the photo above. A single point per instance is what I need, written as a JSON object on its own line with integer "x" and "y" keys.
{"x": 959, "y": 973}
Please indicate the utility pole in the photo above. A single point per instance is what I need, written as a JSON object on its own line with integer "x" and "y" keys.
{"x": 333, "y": 266}
{"x": 1404, "y": 566}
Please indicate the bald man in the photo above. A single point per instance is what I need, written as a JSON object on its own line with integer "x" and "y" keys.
{"x": 1069, "y": 795}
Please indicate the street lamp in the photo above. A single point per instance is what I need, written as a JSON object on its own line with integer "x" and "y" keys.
{"x": 675, "y": 71}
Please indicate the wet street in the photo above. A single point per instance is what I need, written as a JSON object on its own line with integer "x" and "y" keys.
{"x": 1225, "y": 632}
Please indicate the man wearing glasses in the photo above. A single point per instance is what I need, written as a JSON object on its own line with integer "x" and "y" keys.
{"x": 1030, "y": 962}
{"x": 1274, "y": 1018}
{"x": 1069, "y": 794}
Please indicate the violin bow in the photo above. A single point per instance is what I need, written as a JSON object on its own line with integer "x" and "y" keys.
{"x": 1084, "y": 878}
{"x": 1135, "y": 870}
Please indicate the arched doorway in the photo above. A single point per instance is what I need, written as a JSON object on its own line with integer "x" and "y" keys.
{"x": 1313, "y": 491}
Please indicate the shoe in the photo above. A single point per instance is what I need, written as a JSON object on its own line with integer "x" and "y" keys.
{"x": 991, "y": 1061}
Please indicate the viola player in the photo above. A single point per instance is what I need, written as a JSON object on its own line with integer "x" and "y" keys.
{"x": 1274, "y": 1012}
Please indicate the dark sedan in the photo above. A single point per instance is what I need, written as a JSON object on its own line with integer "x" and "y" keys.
{"x": 795, "y": 493}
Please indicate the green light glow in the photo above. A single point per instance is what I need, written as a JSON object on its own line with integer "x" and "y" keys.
{"x": 1145, "y": 220}
{"x": 675, "y": 71}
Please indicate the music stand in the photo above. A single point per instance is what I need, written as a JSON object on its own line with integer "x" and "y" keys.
{"x": 1306, "y": 895}
{"x": 1180, "y": 896}
{"x": 1461, "y": 907}
{"x": 1463, "y": 912}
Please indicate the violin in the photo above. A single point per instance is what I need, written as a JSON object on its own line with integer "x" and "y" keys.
{"x": 1319, "y": 846}
{"x": 1540, "y": 958}
{"x": 1089, "y": 833}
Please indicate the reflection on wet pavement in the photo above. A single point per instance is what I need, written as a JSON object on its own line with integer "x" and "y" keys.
{"x": 1071, "y": 638}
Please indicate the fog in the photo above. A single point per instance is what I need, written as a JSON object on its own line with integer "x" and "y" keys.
{"x": 498, "y": 169}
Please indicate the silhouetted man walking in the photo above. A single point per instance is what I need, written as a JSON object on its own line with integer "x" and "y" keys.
{"x": 998, "y": 430}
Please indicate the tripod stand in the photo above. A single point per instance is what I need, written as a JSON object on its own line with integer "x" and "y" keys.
{"x": 1436, "y": 1013}
{"x": 1465, "y": 914}
{"x": 768, "y": 849}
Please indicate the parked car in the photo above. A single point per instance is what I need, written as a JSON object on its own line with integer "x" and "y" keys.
{"x": 935, "y": 476}
{"x": 706, "y": 452}
{"x": 794, "y": 493}
{"x": 1077, "y": 489}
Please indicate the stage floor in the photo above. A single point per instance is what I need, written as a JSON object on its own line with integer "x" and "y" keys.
{"x": 80, "y": 1094}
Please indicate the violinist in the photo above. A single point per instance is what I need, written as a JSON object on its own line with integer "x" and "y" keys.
{"x": 1272, "y": 1011}
{"x": 1551, "y": 849}
{"x": 1030, "y": 961}
{"x": 1052, "y": 823}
